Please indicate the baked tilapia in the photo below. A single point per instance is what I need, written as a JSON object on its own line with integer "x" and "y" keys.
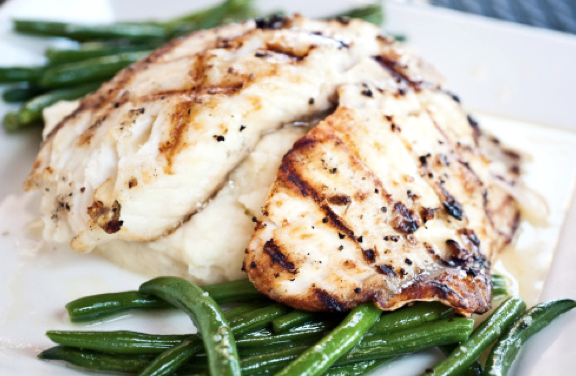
{"x": 389, "y": 199}
{"x": 150, "y": 148}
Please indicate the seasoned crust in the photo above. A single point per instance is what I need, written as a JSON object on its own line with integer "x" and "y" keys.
{"x": 333, "y": 195}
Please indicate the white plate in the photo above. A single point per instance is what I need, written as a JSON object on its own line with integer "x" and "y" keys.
{"x": 506, "y": 71}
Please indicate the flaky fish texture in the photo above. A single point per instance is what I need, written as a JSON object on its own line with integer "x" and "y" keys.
{"x": 150, "y": 148}
{"x": 389, "y": 199}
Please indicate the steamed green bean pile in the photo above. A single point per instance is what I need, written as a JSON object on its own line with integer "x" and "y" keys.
{"x": 261, "y": 337}
{"x": 103, "y": 50}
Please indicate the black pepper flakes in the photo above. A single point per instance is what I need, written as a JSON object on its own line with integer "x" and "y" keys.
{"x": 242, "y": 127}
{"x": 394, "y": 238}
{"x": 384, "y": 209}
{"x": 324, "y": 220}
{"x": 408, "y": 261}
{"x": 376, "y": 190}
{"x": 253, "y": 219}
{"x": 360, "y": 239}
{"x": 367, "y": 93}
{"x": 341, "y": 235}
{"x": 219, "y": 138}
{"x": 142, "y": 110}
{"x": 333, "y": 170}
{"x": 82, "y": 189}
{"x": 341, "y": 248}
{"x": 357, "y": 290}
{"x": 252, "y": 264}
{"x": 311, "y": 101}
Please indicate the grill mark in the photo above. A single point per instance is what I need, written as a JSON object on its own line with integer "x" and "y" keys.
{"x": 333, "y": 304}
{"x": 275, "y": 253}
{"x": 290, "y": 53}
{"x": 452, "y": 207}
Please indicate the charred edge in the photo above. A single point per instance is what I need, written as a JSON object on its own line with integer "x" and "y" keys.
{"x": 272, "y": 250}
{"x": 386, "y": 270}
{"x": 452, "y": 207}
{"x": 333, "y": 304}
{"x": 405, "y": 220}
{"x": 339, "y": 200}
{"x": 274, "y": 22}
{"x": 444, "y": 292}
{"x": 106, "y": 218}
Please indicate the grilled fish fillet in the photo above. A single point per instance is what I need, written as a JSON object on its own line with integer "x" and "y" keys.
{"x": 389, "y": 199}
{"x": 144, "y": 153}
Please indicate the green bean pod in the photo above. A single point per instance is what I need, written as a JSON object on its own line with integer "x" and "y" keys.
{"x": 411, "y": 317}
{"x": 170, "y": 360}
{"x": 482, "y": 337}
{"x": 317, "y": 359}
{"x": 475, "y": 369}
{"x": 370, "y": 13}
{"x": 92, "y": 50}
{"x": 79, "y": 32}
{"x": 20, "y": 74}
{"x": 98, "y": 68}
{"x": 380, "y": 346}
{"x": 207, "y": 316}
{"x": 257, "y": 319}
{"x": 524, "y": 327}
{"x": 21, "y": 93}
{"x": 292, "y": 319}
{"x": 97, "y": 361}
{"x": 31, "y": 112}
{"x": 119, "y": 342}
{"x": 265, "y": 337}
{"x": 97, "y": 307}
{"x": 357, "y": 369}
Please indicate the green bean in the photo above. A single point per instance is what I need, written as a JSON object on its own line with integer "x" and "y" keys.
{"x": 232, "y": 292}
{"x": 240, "y": 310}
{"x": 20, "y": 74}
{"x": 370, "y": 13}
{"x": 94, "y": 307}
{"x": 171, "y": 360}
{"x": 98, "y": 68}
{"x": 410, "y": 317}
{"x": 292, "y": 319}
{"x": 79, "y": 32}
{"x": 475, "y": 369}
{"x": 275, "y": 347}
{"x": 118, "y": 342}
{"x": 379, "y": 346}
{"x": 207, "y": 316}
{"x": 498, "y": 280}
{"x": 265, "y": 337}
{"x": 126, "y": 342}
{"x": 357, "y": 369}
{"x": 483, "y": 336}
{"x": 525, "y": 326}
{"x": 12, "y": 124}
{"x": 257, "y": 319}
{"x": 499, "y": 293}
{"x": 103, "y": 305}
{"x": 21, "y": 93}
{"x": 96, "y": 361}
{"x": 32, "y": 110}
{"x": 321, "y": 356}
{"x": 95, "y": 49}
{"x": 273, "y": 361}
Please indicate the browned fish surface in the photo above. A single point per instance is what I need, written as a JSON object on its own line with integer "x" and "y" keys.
{"x": 389, "y": 199}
